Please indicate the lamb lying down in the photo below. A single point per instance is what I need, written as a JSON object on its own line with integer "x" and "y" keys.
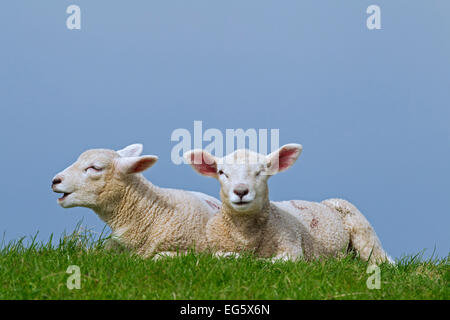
{"x": 283, "y": 230}
{"x": 143, "y": 217}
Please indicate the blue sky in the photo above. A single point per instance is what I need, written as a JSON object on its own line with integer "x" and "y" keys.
{"x": 370, "y": 107}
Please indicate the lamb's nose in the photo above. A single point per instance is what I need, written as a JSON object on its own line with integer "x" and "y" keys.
{"x": 240, "y": 190}
{"x": 56, "y": 181}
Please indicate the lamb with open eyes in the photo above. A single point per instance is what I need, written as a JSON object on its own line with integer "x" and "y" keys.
{"x": 143, "y": 217}
{"x": 282, "y": 230}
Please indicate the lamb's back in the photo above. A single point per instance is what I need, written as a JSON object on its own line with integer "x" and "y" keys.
{"x": 322, "y": 230}
{"x": 184, "y": 228}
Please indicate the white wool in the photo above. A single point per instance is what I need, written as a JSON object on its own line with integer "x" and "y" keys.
{"x": 283, "y": 230}
{"x": 143, "y": 217}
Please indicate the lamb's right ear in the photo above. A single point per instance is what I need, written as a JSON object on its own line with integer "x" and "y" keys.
{"x": 130, "y": 165}
{"x": 133, "y": 150}
{"x": 202, "y": 162}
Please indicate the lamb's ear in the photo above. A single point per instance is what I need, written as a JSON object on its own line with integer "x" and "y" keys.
{"x": 283, "y": 158}
{"x": 130, "y": 165}
{"x": 133, "y": 150}
{"x": 202, "y": 162}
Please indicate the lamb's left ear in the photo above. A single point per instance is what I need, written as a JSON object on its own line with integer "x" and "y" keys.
{"x": 284, "y": 157}
{"x": 133, "y": 150}
{"x": 130, "y": 165}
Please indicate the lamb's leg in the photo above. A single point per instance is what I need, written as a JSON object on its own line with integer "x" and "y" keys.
{"x": 363, "y": 238}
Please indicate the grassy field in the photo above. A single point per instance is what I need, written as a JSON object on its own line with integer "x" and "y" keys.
{"x": 38, "y": 271}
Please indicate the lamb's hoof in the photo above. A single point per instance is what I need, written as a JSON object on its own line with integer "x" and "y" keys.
{"x": 162, "y": 255}
{"x": 226, "y": 255}
{"x": 281, "y": 258}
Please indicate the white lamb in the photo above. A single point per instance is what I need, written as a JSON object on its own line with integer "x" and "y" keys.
{"x": 283, "y": 230}
{"x": 143, "y": 217}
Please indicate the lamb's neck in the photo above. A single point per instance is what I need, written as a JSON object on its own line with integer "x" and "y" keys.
{"x": 139, "y": 206}
{"x": 246, "y": 227}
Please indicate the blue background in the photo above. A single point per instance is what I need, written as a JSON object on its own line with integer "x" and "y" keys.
{"x": 371, "y": 107}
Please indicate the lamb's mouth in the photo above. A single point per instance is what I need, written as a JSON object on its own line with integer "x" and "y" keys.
{"x": 64, "y": 196}
{"x": 241, "y": 203}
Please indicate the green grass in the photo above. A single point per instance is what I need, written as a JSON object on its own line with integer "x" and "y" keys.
{"x": 38, "y": 271}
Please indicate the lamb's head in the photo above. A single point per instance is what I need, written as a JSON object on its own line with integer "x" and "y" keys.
{"x": 243, "y": 174}
{"x": 83, "y": 184}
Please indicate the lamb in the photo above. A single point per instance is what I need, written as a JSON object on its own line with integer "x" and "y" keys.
{"x": 286, "y": 230}
{"x": 143, "y": 217}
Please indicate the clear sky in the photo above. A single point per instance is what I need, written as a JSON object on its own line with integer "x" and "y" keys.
{"x": 370, "y": 107}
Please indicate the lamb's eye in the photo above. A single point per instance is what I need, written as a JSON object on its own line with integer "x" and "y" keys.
{"x": 222, "y": 173}
{"x": 95, "y": 168}
{"x": 258, "y": 173}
